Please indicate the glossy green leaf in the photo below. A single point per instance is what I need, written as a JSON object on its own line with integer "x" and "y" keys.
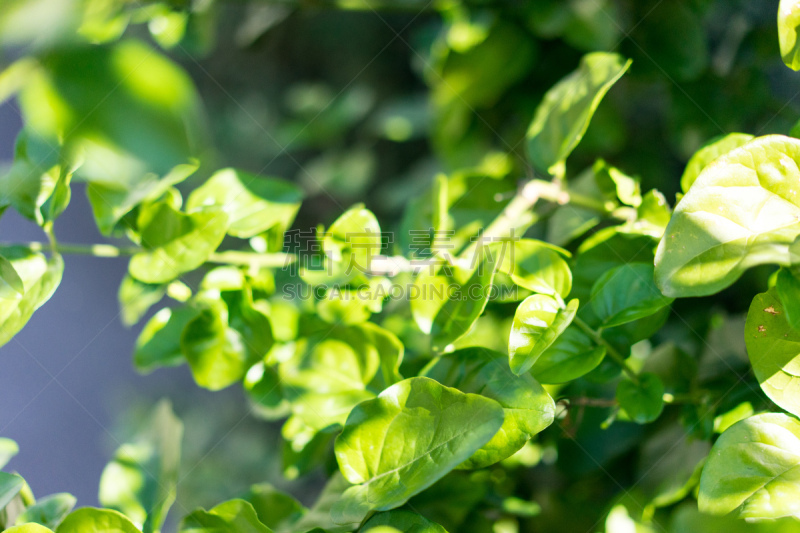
{"x": 253, "y": 203}
{"x": 752, "y": 469}
{"x": 627, "y": 293}
{"x": 538, "y": 322}
{"x": 218, "y": 355}
{"x": 401, "y": 520}
{"x": 40, "y": 278}
{"x": 449, "y": 426}
{"x": 159, "y": 343}
{"x": 10, "y": 485}
{"x": 141, "y": 481}
{"x": 353, "y": 241}
{"x": 234, "y": 516}
{"x": 564, "y": 115}
{"x": 175, "y": 242}
{"x": 91, "y": 520}
{"x": 536, "y": 266}
{"x": 48, "y": 511}
{"x": 741, "y": 212}
{"x": 135, "y": 298}
{"x": 572, "y": 355}
{"x": 643, "y": 401}
{"x": 464, "y": 304}
{"x": 710, "y": 152}
{"x": 774, "y": 350}
{"x": 528, "y": 407}
{"x": 149, "y": 105}
{"x": 788, "y": 24}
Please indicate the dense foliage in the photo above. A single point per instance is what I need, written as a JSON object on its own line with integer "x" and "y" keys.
{"x": 500, "y": 338}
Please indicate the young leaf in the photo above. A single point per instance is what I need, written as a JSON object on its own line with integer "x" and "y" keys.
{"x": 774, "y": 350}
{"x": 625, "y": 294}
{"x": 175, "y": 242}
{"x": 253, "y": 203}
{"x": 538, "y": 322}
{"x": 135, "y": 298}
{"x": 643, "y": 401}
{"x": 8, "y": 449}
{"x": 788, "y": 24}
{"x": 536, "y": 266}
{"x": 234, "y": 516}
{"x": 40, "y": 278}
{"x": 218, "y": 354}
{"x": 48, "y": 511}
{"x": 752, "y": 469}
{"x": 465, "y": 305}
{"x": 401, "y": 520}
{"x": 28, "y": 528}
{"x": 372, "y": 451}
{"x": 708, "y": 153}
{"x": 91, "y": 520}
{"x": 159, "y": 343}
{"x": 141, "y": 481}
{"x": 740, "y": 212}
{"x": 528, "y": 407}
{"x": 563, "y": 117}
{"x": 572, "y": 355}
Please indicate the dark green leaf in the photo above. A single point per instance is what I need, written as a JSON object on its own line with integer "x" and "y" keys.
{"x": 643, "y": 401}
{"x": 627, "y": 293}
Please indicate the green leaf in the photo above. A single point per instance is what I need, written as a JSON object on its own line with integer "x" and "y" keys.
{"x": 49, "y": 511}
{"x": 8, "y": 449}
{"x": 536, "y": 266}
{"x": 159, "y": 343}
{"x": 774, "y": 350}
{"x": 652, "y": 216}
{"x": 372, "y": 451}
{"x": 135, "y": 298}
{"x": 319, "y": 516}
{"x": 253, "y": 203}
{"x": 219, "y": 355}
{"x": 91, "y": 520}
{"x": 117, "y": 184}
{"x": 401, "y": 520}
{"x": 234, "y": 516}
{"x": 465, "y": 305}
{"x": 127, "y": 95}
{"x": 141, "y": 481}
{"x": 10, "y": 485}
{"x": 572, "y": 355}
{"x": 787, "y": 286}
{"x": 708, "y": 153}
{"x": 627, "y": 293}
{"x": 752, "y": 469}
{"x": 37, "y": 184}
{"x": 538, "y": 322}
{"x": 175, "y": 242}
{"x": 40, "y": 278}
{"x": 273, "y": 507}
{"x": 617, "y": 185}
{"x": 563, "y": 117}
{"x": 788, "y": 24}
{"x": 528, "y": 407}
{"x": 740, "y": 212}
{"x": 643, "y": 401}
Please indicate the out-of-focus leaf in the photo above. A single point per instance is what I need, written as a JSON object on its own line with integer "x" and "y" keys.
{"x": 788, "y": 24}
{"x": 642, "y": 401}
{"x": 401, "y": 520}
{"x": 48, "y": 511}
{"x": 135, "y": 298}
{"x": 234, "y": 516}
{"x": 159, "y": 342}
{"x": 141, "y": 481}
